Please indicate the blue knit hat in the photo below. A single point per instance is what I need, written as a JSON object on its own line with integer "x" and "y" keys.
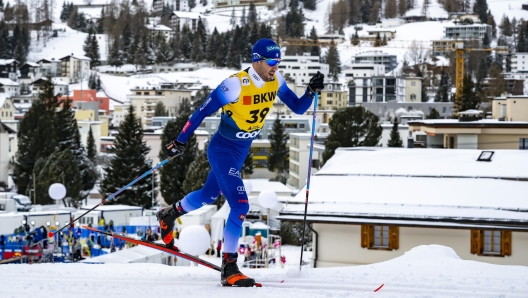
{"x": 266, "y": 48}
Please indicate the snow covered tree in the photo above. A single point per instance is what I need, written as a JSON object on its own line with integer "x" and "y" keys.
{"x": 115, "y": 57}
{"x": 129, "y": 162}
{"x": 173, "y": 174}
{"x": 352, "y": 127}
{"x": 91, "y": 149}
{"x": 468, "y": 99}
{"x": 433, "y": 114}
{"x": 315, "y": 50}
{"x": 395, "y": 139}
{"x": 333, "y": 61}
{"x": 505, "y": 26}
{"x": 278, "y": 156}
{"x": 442, "y": 94}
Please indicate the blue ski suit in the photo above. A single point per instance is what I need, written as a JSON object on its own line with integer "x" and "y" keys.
{"x": 245, "y": 100}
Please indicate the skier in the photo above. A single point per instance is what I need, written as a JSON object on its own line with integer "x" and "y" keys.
{"x": 245, "y": 98}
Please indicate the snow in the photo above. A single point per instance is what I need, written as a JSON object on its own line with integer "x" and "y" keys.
{"x": 424, "y": 271}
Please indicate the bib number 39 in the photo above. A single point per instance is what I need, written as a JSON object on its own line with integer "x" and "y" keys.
{"x": 256, "y": 114}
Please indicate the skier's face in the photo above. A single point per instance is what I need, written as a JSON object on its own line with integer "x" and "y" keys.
{"x": 264, "y": 70}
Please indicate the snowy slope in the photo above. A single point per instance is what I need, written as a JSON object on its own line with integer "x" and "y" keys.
{"x": 425, "y": 271}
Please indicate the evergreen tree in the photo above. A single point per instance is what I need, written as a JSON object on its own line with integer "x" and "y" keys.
{"x": 192, "y": 4}
{"x": 315, "y": 49}
{"x": 481, "y": 8}
{"x": 160, "y": 110}
{"x": 395, "y": 139}
{"x": 468, "y": 99}
{"x": 220, "y": 59}
{"x": 355, "y": 39}
{"x": 185, "y": 42}
{"x": 278, "y": 157}
{"x": 377, "y": 42}
{"x": 232, "y": 20}
{"x": 60, "y": 167}
{"x": 197, "y": 53}
{"x": 173, "y": 174}
{"x": 164, "y": 52}
{"x": 505, "y": 26}
{"x": 434, "y": 114}
{"x": 36, "y": 137}
{"x": 248, "y": 166}
{"x": 98, "y": 83}
{"x": 197, "y": 173}
{"x": 252, "y": 14}
{"x": 233, "y": 55}
{"x": 333, "y": 61}
{"x": 352, "y": 127}
{"x": 522, "y": 43}
{"x": 115, "y": 57}
{"x": 129, "y": 162}
{"x": 5, "y": 50}
{"x": 212, "y": 46}
{"x": 91, "y": 149}
{"x": 91, "y": 81}
{"x": 442, "y": 94}
{"x": 491, "y": 22}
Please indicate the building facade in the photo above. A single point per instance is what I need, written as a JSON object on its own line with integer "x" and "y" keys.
{"x": 300, "y": 69}
{"x": 377, "y": 57}
{"x": 75, "y": 68}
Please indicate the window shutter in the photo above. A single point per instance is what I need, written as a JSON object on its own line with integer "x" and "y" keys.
{"x": 365, "y": 236}
{"x": 506, "y": 243}
{"x": 476, "y": 241}
{"x": 394, "y": 237}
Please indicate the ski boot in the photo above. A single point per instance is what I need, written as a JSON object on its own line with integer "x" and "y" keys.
{"x": 231, "y": 276}
{"x": 166, "y": 218}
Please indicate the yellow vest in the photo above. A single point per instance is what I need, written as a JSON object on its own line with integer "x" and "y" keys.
{"x": 243, "y": 119}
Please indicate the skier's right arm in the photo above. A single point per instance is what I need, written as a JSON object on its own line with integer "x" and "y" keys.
{"x": 227, "y": 92}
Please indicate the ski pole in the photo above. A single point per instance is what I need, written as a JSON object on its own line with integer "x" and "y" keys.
{"x": 308, "y": 179}
{"x": 50, "y": 234}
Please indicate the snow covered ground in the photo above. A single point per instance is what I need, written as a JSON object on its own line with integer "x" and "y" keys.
{"x": 425, "y": 271}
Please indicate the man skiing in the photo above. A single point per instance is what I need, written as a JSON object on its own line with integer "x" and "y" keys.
{"x": 245, "y": 98}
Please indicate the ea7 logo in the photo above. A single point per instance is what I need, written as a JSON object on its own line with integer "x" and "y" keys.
{"x": 234, "y": 172}
{"x": 241, "y": 188}
{"x": 245, "y": 81}
{"x": 224, "y": 88}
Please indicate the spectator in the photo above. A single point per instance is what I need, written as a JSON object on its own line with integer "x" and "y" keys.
{"x": 101, "y": 222}
{"x": 111, "y": 225}
{"x": 149, "y": 236}
{"x": 77, "y": 251}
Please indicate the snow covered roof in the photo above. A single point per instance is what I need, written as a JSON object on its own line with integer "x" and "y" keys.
{"x": 7, "y": 61}
{"x": 137, "y": 254}
{"x": 158, "y": 27}
{"x": 418, "y": 185}
{"x": 186, "y": 14}
{"x": 259, "y": 185}
{"x": 76, "y": 57}
{"x": 8, "y": 82}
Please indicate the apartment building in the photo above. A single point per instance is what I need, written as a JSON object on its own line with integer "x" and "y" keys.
{"x": 178, "y": 19}
{"x": 9, "y": 87}
{"x": 50, "y": 67}
{"x": 75, "y": 68}
{"x": 29, "y": 72}
{"x": 377, "y": 57}
{"x": 145, "y": 99}
{"x": 334, "y": 96}
{"x": 8, "y": 69}
{"x": 300, "y": 69}
{"x": 61, "y": 87}
{"x": 159, "y": 29}
{"x": 233, "y": 3}
{"x": 475, "y": 31}
{"x": 413, "y": 89}
{"x": 7, "y": 108}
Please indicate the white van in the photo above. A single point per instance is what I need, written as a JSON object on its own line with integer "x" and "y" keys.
{"x": 22, "y": 202}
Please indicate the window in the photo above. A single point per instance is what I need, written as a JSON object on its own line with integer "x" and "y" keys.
{"x": 523, "y": 144}
{"x": 328, "y": 102}
{"x": 379, "y": 237}
{"x": 329, "y": 94}
{"x": 413, "y": 83}
{"x": 491, "y": 243}
{"x": 413, "y": 97}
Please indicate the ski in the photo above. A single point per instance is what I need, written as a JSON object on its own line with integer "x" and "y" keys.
{"x": 172, "y": 250}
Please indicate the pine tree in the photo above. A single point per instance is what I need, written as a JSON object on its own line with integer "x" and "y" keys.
{"x": 173, "y": 174}
{"x": 481, "y": 8}
{"x": 252, "y": 14}
{"x": 468, "y": 99}
{"x": 278, "y": 157}
{"x": 315, "y": 50}
{"x": 212, "y": 46}
{"x": 442, "y": 94}
{"x": 197, "y": 53}
{"x": 91, "y": 149}
{"x": 522, "y": 43}
{"x": 355, "y": 39}
{"x": 505, "y": 26}
{"x": 160, "y": 109}
{"x": 95, "y": 56}
{"x": 395, "y": 139}
{"x": 434, "y": 114}
{"x": 491, "y": 22}
{"x": 233, "y": 55}
{"x": 197, "y": 173}
{"x": 333, "y": 61}
{"x": 115, "y": 57}
{"x": 377, "y": 42}
{"x": 129, "y": 162}
{"x": 232, "y": 20}
{"x": 352, "y": 127}
{"x": 309, "y": 4}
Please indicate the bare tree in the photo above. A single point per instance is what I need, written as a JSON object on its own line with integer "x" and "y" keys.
{"x": 402, "y": 7}
{"x": 416, "y": 53}
{"x": 425, "y": 7}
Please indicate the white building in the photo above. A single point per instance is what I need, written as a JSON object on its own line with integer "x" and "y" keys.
{"x": 377, "y": 57}
{"x": 178, "y": 19}
{"x": 160, "y": 29}
{"x": 75, "y": 68}
{"x": 9, "y": 87}
{"x": 302, "y": 68}
{"x": 476, "y": 31}
{"x": 369, "y": 205}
